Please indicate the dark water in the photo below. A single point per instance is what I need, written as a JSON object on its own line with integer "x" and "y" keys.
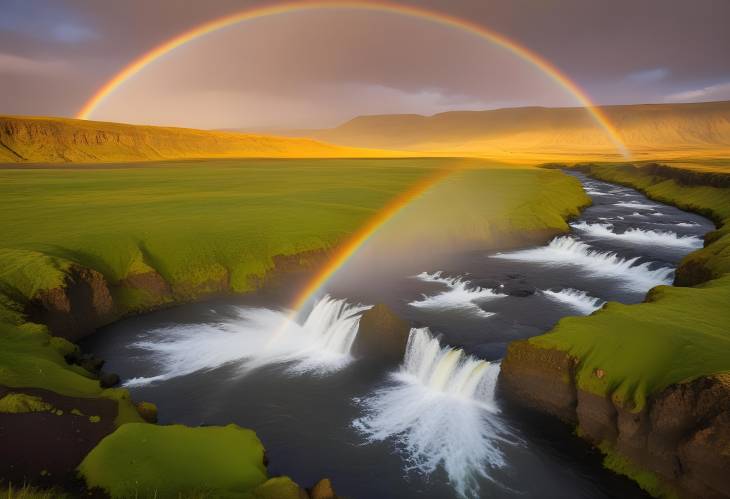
{"x": 305, "y": 419}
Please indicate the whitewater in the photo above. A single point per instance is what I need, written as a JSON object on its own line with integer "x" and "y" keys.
{"x": 568, "y": 251}
{"x": 439, "y": 410}
{"x": 256, "y": 337}
{"x": 636, "y": 235}
{"x": 460, "y": 294}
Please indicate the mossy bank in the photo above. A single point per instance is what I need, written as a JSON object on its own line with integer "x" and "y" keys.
{"x": 647, "y": 383}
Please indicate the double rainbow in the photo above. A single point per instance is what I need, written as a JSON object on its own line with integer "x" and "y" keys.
{"x": 351, "y": 246}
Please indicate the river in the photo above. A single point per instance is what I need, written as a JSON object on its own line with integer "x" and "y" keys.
{"x": 431, "y": 426}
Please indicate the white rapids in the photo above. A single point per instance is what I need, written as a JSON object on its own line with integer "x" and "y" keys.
{"x": 576, "y": 299}
{"x": 637, "y": 205}
{"x": 257, "y": 337}
{"x": 461, "y": 294}
{"x": 440, "y": 411}
{"x": 635, "y": 235}
{"x": 567, "y": 251}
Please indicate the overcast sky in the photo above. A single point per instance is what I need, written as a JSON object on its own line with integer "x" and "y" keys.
{"x": 317, "y": 69}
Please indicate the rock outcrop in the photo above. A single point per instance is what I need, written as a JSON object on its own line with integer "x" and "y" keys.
{"x": 682, "y": 435}
{"x": 323, "y": 490}
{"x": 381, "y": 334}
{"x": 75, "y": 309}
{"x": 539, "y": 378}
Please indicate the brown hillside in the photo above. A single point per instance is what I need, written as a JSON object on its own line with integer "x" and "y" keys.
{"x": 54, "y": 140}
{"x": 649, "y": 130}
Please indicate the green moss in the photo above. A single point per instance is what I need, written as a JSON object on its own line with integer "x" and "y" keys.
{"x": 26, "y": 271}
{"x": 17, "y": 403}
{"x": 277, "y": 488}
{"x": 144, "y": 459}
{"x": 127, "y": 412}
{"x": 28, "y": 358}
{"x": 647, "y": 480}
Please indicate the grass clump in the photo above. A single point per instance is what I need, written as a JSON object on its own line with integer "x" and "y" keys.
{"x": 18, "y": 403}
{"x": 142, "y": 460}
{"x": 30, "y": 357}
{"x": 30, "y": 492}
{"x": 647, "y": 480}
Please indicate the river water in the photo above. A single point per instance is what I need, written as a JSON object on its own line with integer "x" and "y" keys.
{"x": 431, "y": 425}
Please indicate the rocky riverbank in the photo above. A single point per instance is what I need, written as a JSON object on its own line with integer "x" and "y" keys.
{"x": 661, "y": 415}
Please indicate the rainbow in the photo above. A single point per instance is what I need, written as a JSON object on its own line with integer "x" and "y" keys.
{"x": 524, "y": 53}
{"x": 350, "y": 247}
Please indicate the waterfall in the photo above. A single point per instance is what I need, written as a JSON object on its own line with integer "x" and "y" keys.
{"x": 565, "y": 250}
{"x": 254, "y": 338}
{"x": 447, "y": 370}
{"x": 635, "y": 235}
{"x": 439, "y": 411}
{"x": 577, "y": 299}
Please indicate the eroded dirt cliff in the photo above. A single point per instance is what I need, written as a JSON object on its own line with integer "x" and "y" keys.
{"x": 682, "y": 434}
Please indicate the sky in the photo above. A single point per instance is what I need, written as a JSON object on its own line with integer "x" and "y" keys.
{"x": 320, "y": 68}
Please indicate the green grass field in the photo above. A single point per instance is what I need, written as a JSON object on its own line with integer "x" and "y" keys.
{"x": 201, "y": 222}
{"x": 680, "y": 333}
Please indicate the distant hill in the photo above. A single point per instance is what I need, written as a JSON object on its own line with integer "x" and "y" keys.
{"x": 649, "y": 130}
{"x": 56, "y": 140}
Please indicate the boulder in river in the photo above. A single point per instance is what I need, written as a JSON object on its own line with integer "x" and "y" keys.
{"x": 518, "y": 290}
{"x": 108, "y": 380}
{"x": 147, "y": 410}
{"x": 323, "y": 490}
{"x": 381, "y": 334}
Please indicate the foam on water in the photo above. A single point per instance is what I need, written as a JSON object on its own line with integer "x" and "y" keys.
{"x": 257, "y": 337}
{"x": 640, "y": 236}
{"x": 592, "y": 192}
{"x": 567, "y": 251}
{"x": 577, "y": 299}
{"x": 461, "y": 294}
{"x": 439, "y": 410}
{"x": 638, "y": 206}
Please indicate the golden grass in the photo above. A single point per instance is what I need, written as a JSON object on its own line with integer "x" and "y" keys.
{"x": 651, "y": 131}
{"x": 28, "y": 492}
{"x": 25, "y": 139}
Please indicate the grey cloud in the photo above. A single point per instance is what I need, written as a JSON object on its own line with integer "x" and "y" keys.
{"x": 618, "y": 51}
{"x": 648, "y": 75}
{"x": 719, "y": 91}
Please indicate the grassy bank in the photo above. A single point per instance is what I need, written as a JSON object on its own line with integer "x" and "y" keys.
{"x": 197, "y": 227}
{"x": 679, "y": 333}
